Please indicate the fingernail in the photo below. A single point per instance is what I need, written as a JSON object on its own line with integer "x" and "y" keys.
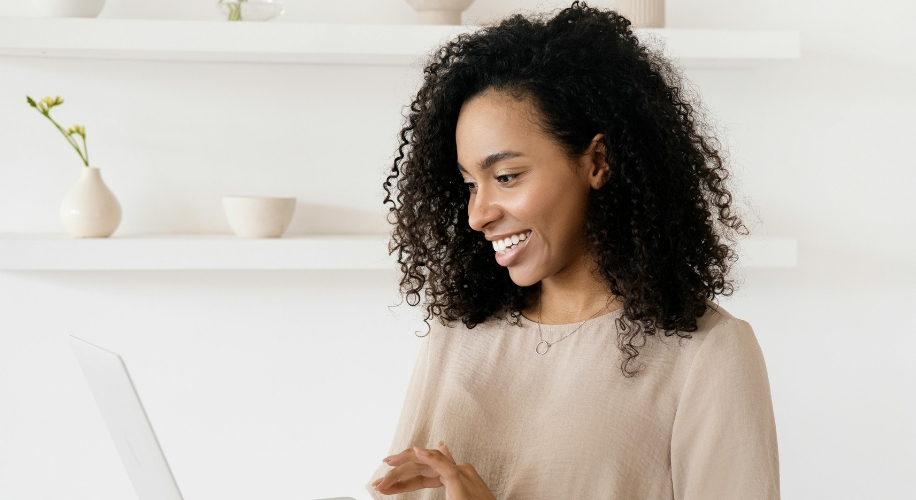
{"x": 386, "y": 459}
{"x": 422, "y": 452}
{"x": 377, "y": 481}
{"x": 441, "y": 444}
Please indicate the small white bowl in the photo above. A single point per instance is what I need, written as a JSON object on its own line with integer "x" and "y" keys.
{"x": 70, "y": 8}
{"x": 258, "y": 216}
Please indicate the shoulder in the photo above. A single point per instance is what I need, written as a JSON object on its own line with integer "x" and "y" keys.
{"x": 726, "y": 348}
{"x": 721, "y": 332}
{"x": 721, "y": 345}
{"x": 717, "y": 330}
{"x": 723, "y": 438}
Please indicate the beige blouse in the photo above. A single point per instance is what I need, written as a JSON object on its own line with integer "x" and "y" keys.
{"x": 696, "y": 424}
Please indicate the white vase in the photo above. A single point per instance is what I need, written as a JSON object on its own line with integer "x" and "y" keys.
{"x": 90, "y": 210}
{"x": 440, "y": 11}
{"x": 642, "y": 13}
{"x": 70, "y": 8}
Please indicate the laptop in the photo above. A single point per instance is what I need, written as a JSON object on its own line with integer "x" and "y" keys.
{"x": 127, "y": 422}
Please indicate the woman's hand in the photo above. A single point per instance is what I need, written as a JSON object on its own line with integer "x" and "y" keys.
{"x": 416, "y": 468}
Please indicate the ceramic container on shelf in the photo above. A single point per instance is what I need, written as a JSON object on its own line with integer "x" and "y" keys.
{"x": 440, "y": 11}
{"x": 90, "y": 210}
{"x": 65, "y": 8}
{"x": 642, "y": 13}
{"x": 258, "y": 216}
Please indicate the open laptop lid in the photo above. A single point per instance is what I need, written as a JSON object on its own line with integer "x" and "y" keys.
{"x": 127, "y": 423}
{"x": 130, "y": 429}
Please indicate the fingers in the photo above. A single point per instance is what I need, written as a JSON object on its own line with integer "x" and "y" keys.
{"x": 407, "y": 477}
{"x": 409, "y": 455}
{"x": 400, "y": 458}
{"x": 409, "y": 484}
{"x": 437, "y": 460}
{"x": 417, "y": 468}
{"x": 445, "y": 451}
{"x": 411, "y": 471}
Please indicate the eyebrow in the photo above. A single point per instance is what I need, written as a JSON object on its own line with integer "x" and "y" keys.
{"x": 494, "y": 158}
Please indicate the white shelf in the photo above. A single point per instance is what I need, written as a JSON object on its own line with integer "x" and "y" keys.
{"x": 192, "y": 252}
{"x": 226, "y": 252}
{"x": 280, "y": 42}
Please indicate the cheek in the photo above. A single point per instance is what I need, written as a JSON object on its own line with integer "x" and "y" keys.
{"x": 556, "y": 215}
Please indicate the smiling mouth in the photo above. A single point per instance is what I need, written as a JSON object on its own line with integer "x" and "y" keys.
{"x": 507, "y": 244}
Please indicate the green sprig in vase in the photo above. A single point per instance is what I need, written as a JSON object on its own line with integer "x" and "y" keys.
{"x": 90, "y": 209}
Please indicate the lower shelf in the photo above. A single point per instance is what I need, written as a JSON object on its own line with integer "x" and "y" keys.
{"x": 188, "y": 252}
{"x": 21, "y": 252}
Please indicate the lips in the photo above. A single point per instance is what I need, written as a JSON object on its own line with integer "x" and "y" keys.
{"x": 501, "y": 244}
{"x": 509, "y": 256}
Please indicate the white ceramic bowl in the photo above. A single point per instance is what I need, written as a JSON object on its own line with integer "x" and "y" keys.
{"x": 258, "y": 216}
{"x": 52, "y": 8}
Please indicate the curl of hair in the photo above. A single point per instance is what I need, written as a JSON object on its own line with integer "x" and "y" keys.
{"x": 660, "y": 228}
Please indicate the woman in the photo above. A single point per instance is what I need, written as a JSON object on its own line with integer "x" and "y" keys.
{"x": 561, "y": 209}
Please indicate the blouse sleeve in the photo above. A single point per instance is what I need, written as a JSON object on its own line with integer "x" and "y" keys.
{"x": 723, "y": 444}
{"x": 407, "y": 427}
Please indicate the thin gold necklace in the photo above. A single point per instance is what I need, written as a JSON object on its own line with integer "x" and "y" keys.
{"x": 537, "y": 348}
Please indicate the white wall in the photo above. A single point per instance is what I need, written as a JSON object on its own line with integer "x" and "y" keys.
{"x": 288, "y": 384}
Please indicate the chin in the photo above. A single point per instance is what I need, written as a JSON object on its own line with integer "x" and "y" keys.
{"x": 523, "y": 277}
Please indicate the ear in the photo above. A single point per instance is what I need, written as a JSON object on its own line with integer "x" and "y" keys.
{"x": 597, "y": 162}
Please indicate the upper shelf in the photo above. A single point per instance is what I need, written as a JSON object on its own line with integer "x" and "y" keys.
{"x": 25, "y": 252}
{"x": 280, "y": 42}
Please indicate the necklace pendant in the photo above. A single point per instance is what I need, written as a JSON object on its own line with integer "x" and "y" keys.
{"x": 537, "y": 348}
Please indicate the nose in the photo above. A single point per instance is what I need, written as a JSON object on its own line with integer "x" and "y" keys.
{"x": 483, "y": 209}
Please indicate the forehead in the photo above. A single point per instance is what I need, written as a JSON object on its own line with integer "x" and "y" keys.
{"x": 494, "y": 122}
{"x": 493, "y": 111}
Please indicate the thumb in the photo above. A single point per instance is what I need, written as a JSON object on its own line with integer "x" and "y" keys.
{"x": 433, "y": 458}
{"x": 444, "y": 449}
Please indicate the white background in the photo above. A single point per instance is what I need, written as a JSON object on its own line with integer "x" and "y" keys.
{"x": 289, "y": 384}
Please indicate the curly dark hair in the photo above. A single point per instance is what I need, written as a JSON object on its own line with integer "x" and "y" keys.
{"x": 660, "y": 228}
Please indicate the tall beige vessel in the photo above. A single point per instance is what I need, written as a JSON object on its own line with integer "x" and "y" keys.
{"x": 642, "y": 13}
{"x": 90, "y": 209}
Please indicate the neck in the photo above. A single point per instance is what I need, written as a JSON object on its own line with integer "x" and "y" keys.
{"x": 572, "y": 295}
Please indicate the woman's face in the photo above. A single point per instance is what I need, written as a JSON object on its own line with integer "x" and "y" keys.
{"x": 524, "y": 187}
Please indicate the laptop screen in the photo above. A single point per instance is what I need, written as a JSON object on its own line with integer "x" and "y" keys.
{"x": 130, "y": 429}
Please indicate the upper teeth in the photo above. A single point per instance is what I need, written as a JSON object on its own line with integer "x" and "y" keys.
{"x": 500, "y": 245}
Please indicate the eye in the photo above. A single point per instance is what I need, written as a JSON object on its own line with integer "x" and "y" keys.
{"x": 508, "y": 178}
{"x": 470, "y": 185}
